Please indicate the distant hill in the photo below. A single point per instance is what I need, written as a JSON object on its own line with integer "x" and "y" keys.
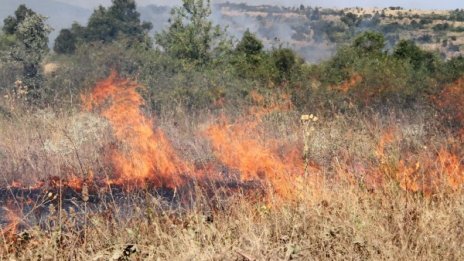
{"x": 314, "y": 32}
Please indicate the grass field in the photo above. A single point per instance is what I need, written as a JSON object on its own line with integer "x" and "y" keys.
{"x": 377, "y": 186}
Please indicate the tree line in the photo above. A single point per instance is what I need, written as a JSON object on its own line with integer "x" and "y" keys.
{"x": 193, "y": 51}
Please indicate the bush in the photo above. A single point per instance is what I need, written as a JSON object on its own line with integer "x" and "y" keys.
{"x": 65, "y": 43}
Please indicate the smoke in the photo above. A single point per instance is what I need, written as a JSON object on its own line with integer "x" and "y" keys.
{"x": 447, "y": 4}
{"x": 157, "y": 15}
{"x": 275, "y": 26}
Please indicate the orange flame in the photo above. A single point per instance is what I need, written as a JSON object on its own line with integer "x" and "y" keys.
{"x": 14, "y": 220}
{"x": 238, "y": 146}
{"x": 142, "y": 152}
{"x": 350, "y": 83}
{"x": 423, "y": 172}
{"x": 451, "y": 101}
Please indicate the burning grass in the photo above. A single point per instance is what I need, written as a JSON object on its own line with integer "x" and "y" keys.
{"x": 111, "y": 182}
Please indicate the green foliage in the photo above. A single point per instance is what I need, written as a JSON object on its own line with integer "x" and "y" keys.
{"x": 408, "y": 50}
{"x": 340, "y": 67}
{"x": 351, "y": 19}
{"x": 328, "y": 30}
{"x": 249, "y": 44}
{"x": 120, "y": 20}
{"x": 250, "y": 59}
{"x": 370, "y": 43}
{"x": 195, "y": 65}
{"x": 30, "y": 47}
{"x": 191, "y": 36}
{"x": 65, "y": 43}
{"x": 384, "y": 80}
{"x": 441, "y": 27}
{"x": 451, "y": 70}
{"x": 6, "y": 41}
{"x": 286, "y": 61}
{"x": 457, "y": 15}
{"x": 11, "y": 23}
{"x": 374, "y": 77}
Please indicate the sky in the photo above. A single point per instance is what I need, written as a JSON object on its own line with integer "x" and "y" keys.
{"x": 417, "y": 4}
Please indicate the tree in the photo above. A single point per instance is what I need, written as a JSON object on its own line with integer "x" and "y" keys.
{"x": 249, "y": 44}
{"x": 408, "y": 50}
{"x": 370, "y": 42}
{"x": 11, "y": 23}
{"x": 351, "y": 19}
{"x": 31, "y": 47}
{"x": 191, "y": 36}
{"x": 65, "y": 43}
{"x": 285, "y": 61}
{"x": 127, "y": 19}
{"x": 6, "y": 41}
{"x": 249, "y": 57}
{"x": 121, "y": 19}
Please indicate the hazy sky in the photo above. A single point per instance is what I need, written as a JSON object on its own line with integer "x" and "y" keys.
{"x": 424, "y": 4}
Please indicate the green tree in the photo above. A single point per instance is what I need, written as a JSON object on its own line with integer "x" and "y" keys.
{"x": 286, "y": 63}
{"x": 31, "y": 47}
{"x": 65, "y": 43}
{"x": 452, "y": 69}
{"x": 120, "y": 20}
{"x": 250, "y": 58}
{"x": 6, "y": 41}
{"x": 351, "y": 19}
{"x": 408, "y": 50}
{"x": 249, "y": 44}
{"x": 127, "y": 19}
{"x": 11, "y": 23}
{"x": 370, "y": 43}
{"x": 191, "y": 36}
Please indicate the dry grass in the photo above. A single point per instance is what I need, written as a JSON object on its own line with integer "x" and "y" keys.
{"x": 330, "y": 219}
{"x": 336, "y": 224}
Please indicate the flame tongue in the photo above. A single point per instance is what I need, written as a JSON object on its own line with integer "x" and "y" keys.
{"x": 142, "y": 152}
{"x": 237, "y": 145}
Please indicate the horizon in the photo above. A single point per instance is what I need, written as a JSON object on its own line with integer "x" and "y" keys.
{"x": 424, "y": 5}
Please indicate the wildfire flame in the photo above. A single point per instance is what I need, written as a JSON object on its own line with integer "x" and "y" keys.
{"x": 424, "y": 172}
{"x": 238, "y": 146}
{"x": 142, "y": 152}
{"x": 349, "y": 84}
{"x": 451, "y": 101}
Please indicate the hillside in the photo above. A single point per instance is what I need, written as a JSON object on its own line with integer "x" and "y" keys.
{"x": 314, "y": 32}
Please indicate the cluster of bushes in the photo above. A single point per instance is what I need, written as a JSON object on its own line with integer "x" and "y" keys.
{"x": 194, "y": 63}
{"x": 457, "y": 15}
{"x": 403, "y": 77}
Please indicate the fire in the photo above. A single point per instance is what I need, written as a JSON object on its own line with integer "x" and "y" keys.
{"x": 142, "y": 153}
{"x": 451, "y": 101}
{"x": 432, "y": 173}
{"x": 350, "y": 83}
{"x": 424, "y": 172}
{"x": 387, "y": 138}
{"x": 238, "y": 146}
{"x": 451, "y": 167}
{"x": 14, "y": 221}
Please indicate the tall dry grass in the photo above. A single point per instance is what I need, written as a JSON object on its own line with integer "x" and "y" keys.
{"x": 333, "y": 217}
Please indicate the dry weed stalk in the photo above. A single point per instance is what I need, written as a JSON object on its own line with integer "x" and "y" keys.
{"x": 308, "y": 127}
